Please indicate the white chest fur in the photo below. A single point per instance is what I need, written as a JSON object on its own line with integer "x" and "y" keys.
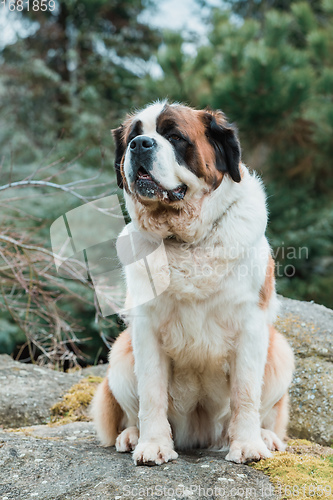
{"x": 212, "y": 284}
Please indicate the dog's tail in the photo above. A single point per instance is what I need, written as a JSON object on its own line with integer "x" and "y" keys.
{"x": 106, "y": 414}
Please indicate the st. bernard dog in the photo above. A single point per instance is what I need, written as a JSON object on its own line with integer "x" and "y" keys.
{"x": 201, "y": 365}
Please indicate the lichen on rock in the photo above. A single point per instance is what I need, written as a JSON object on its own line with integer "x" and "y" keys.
{"x": 74, "y": 404}
{"x": 304, "y": 470}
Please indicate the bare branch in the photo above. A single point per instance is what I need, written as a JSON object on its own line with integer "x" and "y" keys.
{"x": 31, "y": 182}
{"x": 31, "y": 291}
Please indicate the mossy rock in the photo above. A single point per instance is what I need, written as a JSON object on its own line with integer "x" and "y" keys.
{"x": 304, "y": 470}
{"x": 74, "y": 404}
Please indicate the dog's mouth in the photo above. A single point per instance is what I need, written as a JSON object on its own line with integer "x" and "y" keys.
{"x": 148, "y": 187}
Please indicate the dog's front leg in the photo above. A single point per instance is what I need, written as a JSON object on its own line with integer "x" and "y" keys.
{"x": 155, "y": 444}
{"x": 246, "y": 376}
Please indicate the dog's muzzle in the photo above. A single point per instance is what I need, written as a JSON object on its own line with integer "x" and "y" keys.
{"x": 143, "y": 152}
{"x": 142, "y": 149}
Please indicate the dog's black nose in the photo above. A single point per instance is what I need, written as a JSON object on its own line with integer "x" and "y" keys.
{"x": 142, "y": 144}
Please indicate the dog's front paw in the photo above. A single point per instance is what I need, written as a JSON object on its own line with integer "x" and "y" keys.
{"x": 127, "y": 440}
{"x": 271, "y": 440}
{"x": 246, "y": 451}
{"x": 151, "y": 453}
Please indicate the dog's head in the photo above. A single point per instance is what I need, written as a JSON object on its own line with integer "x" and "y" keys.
{"x": 169, "y": 156}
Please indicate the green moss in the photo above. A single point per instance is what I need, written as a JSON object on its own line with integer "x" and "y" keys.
{"x": 304, "y": 470}
{"x": 74, "y": 404}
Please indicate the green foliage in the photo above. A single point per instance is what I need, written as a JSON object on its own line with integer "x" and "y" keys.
{"x": 10, "y": 336}
{"x": 259, "y": 8}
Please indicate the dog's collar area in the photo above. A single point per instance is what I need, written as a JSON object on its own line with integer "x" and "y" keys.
{"x": 173, "y": 237}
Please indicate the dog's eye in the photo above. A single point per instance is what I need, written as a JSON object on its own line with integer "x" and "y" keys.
{"x": 174, "y": 137}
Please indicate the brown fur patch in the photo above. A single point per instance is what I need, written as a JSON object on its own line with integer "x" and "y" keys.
{"x": 282, "y": 416}
{"x": 271, "y": 345}
{"x": 267, "y": 289}
{"x": 123, "y": 344}
{"x": 127, "y": 126}
{"x": 191, "y": 123}
{"x": 107, "y": 414}
{"x": 278, "y": 370}
{"x": 105, "y": 410}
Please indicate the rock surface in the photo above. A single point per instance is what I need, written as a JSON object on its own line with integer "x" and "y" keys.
{"x": 27, "y": 392}
{"x": 309, "y": 329}
{"x": 65, "y": 462}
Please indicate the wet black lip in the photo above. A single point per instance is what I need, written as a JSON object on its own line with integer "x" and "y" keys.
{"x": 148, "y": 187}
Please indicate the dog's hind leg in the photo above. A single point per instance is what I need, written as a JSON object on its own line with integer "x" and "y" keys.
{"x": 115, "y": 406}
{"x": 274, "y": 400}
{"x": 107, "y": 414}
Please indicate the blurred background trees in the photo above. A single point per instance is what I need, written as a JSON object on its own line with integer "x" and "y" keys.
{"x": 72, "y": 74}
{"x": 72, "y": 77}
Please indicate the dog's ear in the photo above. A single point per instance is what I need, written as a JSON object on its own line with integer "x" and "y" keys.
{"x": 223, "y": 138}
{"x": 117, "y": 134}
